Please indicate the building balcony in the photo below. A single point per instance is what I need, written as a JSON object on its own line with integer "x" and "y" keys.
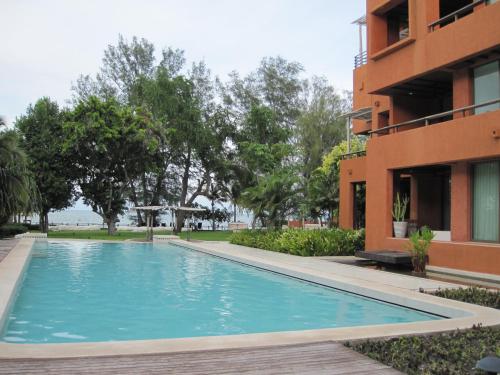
{"x": 438, "y": 118}
{"x": 437, "y": 43}
{"x": 360, "y": 59}
{"x": 456, "y": 10}
{"x": 353, "y": 155}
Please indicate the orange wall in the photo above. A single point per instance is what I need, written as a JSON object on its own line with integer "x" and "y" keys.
{"x": 362, "y": 99}
{"x": 426, "y": 50}
{"x": 457, "y": 142}
{"x": 451, "y": 142}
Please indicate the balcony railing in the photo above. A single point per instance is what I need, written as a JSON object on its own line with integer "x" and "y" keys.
{"x": 452, "y": 17}
{"x": 352, "y": 155}
{"x": 360, "y": 59}
{"x": 427, "y": 120}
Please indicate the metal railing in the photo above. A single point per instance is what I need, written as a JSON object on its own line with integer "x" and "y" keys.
{"x": 427, "y": 119}
{"x": 454, "y": 15}
{"x": 352, "y": 155}
{"x": 360, "y": 59}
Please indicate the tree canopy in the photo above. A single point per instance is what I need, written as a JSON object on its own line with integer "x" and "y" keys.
{"x": 151, "y": 129}
{"x": 41, "y": 135}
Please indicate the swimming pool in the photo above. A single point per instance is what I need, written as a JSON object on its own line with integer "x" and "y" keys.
{"x": 94, "y": 291}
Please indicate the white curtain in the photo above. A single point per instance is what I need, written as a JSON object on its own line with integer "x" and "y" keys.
{"x": 486, "y": 201}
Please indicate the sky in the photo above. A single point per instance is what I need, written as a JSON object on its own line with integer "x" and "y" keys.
{"x": 46, "y": 45}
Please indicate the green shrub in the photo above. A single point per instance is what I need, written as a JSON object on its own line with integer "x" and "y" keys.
{"x": 10, "y": 230}
{"x": 447, "y": 353}
{"x": 420, "y": 241}
{"x": 303, "y": 242}
{"x": 478, "y": 296}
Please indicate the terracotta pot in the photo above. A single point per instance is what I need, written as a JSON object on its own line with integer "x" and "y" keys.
{"x": 400, "y": 228}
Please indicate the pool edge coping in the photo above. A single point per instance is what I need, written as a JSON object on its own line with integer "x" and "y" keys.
{"x": 466, "y": 315}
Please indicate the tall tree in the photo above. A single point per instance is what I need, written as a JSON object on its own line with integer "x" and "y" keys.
{"x": 102, "y": 141}
{"x": 265, "y": 106}
{"x": 124, "y": 66}
{"x": 42, "y": 137}
{"x": 319, "y": 127}
{"x": 17, "y": 188}
{"x": 130, "y": 73}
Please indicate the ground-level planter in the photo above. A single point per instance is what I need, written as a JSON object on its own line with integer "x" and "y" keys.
{"x": 400, "y": 228}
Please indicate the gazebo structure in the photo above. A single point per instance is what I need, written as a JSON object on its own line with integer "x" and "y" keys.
{"x": 149, "y": 210}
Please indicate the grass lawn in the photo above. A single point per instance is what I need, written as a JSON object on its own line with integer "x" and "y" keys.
{"x": 128, "y": 235}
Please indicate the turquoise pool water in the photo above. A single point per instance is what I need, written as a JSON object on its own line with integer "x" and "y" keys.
{"x": 83, "y": 291}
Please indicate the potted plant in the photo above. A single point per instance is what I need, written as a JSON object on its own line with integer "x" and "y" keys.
{"x": 398, "y": 214}
{"x": 419, "y": 246}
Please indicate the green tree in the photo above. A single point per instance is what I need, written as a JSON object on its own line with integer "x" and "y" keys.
{"x": 124, "y": 67}
{"x": 319, "y": 127}
{"x": 102, "y": 139}
{"x": 42, "y": 137}
{"x": 272, "y": 199}
{"x": 323, "y": 185}
{"x": 17, "y": 188}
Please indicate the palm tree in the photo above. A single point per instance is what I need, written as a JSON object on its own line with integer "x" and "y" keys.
{"x": 16, "y": 186}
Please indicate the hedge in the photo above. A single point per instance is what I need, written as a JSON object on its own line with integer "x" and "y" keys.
{"x": 303, "y": 242}
{"x": 478, "y": 296}
{"x": 10, "y": 230}
{"x": 447, "y": 353}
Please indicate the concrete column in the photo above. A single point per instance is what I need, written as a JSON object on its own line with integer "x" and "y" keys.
{"x": 413, "y": 198}
{"x": 462, "y": 91}
{"x": 346, "y": 200}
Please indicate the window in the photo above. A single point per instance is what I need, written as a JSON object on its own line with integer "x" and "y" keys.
{"x": 391, "y": 25}
{"x": 486, "y": 201}
{"x": 487, "y": 86}
{"x": 397, "y": 23}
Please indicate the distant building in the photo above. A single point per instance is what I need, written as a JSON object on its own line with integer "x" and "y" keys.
{"x": 427, "y": 94}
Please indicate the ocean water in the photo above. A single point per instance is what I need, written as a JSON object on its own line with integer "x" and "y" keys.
{"x": 87, "y": 217}
{"x": 82, "y": 292}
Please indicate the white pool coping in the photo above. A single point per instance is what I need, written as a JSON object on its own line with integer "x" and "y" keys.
{"x": 462, "y": 315}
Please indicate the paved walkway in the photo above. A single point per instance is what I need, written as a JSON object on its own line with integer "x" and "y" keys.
{"x": 6, "y": 245}
{"x": 326, "y": 266}
{"x": 321, "y": 358}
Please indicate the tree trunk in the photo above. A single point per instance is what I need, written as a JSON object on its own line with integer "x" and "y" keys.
{"x": 234, "y": 212}
{"x": 213, "y": 216}
{"x": 41, "y": 224}
{"x": 254, "y": 220}
{"x": 179, "y": 221}
{"x": 45, "y": 228}
{"x": 111, "y": 222}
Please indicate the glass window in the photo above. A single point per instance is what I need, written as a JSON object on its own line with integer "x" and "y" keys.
{"x": 486, "y": 86}
{"x": 486, "y": 201}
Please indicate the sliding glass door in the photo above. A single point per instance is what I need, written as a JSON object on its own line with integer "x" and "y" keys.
{"x": 486, "y": 201}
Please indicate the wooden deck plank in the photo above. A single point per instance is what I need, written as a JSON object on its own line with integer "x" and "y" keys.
{"x": 319, "y": 358}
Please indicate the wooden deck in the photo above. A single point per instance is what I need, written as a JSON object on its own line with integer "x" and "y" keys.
{"x": 320, "y": 358}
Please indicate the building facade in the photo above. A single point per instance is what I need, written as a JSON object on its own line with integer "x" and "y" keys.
{"x": 426, "y": 93}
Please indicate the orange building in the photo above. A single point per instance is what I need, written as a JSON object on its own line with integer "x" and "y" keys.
{"x": 426, "y": 94}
